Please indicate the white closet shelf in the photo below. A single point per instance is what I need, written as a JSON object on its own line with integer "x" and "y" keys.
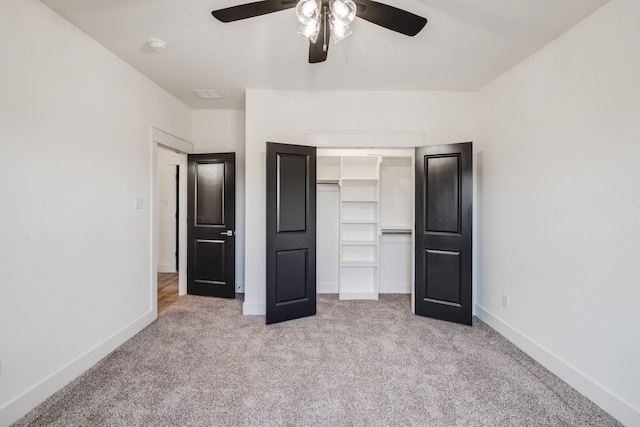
{"x": 359, "y": 221}
{"x": 359, "y": 201}
{"x": 359, "y": 264}
{"x": 359, "y": 243}
{"x": 328, "y": 181}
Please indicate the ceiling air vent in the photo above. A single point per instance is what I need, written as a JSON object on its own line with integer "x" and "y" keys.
{"x": 207, "y": 94}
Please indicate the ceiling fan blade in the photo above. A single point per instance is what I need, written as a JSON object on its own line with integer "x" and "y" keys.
{"x": 318, "y": 51}
{"x": 249, "y": 10}
{"x": 390, "y": 17}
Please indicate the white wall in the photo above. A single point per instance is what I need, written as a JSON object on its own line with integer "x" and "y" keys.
{"x": 559, "y": 214}
{"x": 221, "y": 131}
{"x": 166, "y": 208}
{"x": 76, "y": 261}
{"x": 287, "y": 116}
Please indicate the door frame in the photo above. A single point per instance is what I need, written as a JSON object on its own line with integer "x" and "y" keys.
{"x": 181, "y": 147}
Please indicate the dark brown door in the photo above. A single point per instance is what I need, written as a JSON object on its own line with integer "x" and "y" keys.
{"x": 291, "y": 232}
{"x": 211, "y": 196}
{"x": 444, "y": 191}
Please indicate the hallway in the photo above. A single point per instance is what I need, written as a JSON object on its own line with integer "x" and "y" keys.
{"x": 167, "y": 290}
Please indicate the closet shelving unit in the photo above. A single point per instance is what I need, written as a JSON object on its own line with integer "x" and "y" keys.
{"x": 359, "y": 208}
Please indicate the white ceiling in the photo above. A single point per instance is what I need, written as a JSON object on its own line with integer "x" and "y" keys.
{"x": 465, "y": 45}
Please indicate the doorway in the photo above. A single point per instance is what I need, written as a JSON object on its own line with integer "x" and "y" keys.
{"x": 179, "y": 148}
{"x": 167, "y": 231}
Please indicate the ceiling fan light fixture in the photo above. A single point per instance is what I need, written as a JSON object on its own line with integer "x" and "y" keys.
{"x": 307, "y": 11}
{"x": 339, "y": 30}
{"x": 310, "y": 30}
{"x": 343, "y": 10}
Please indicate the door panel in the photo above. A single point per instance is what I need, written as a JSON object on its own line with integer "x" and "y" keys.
{"x": 211, "y": 225}
{"x": 291, "y": 232}
{"x": 210, "y": 193}
{"x": 212, "y": 271}
{"x": 291, "y": 271}
{"x": 444, "y": 191}
{"x": 442, "y": 212}
{"x": 442, "y": 274}
{"x": 292, "y": 192}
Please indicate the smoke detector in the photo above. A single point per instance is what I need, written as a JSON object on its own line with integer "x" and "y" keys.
{"x": 157, "y": 45}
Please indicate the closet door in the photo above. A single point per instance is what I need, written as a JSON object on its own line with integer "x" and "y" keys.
{"x": 444, "y": 191}
{"x": 291, "y": 232}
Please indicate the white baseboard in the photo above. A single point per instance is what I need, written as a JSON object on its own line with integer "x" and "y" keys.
{"x": 254, "y": 308}
{"x": 327, "y": 288}
{"x": 394, "y": 288}
{"x": 18, "y": 407}
{"x": 165, "y": 268}
{"x": 608, "y": 401}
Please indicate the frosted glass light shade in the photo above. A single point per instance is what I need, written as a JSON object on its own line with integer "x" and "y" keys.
{"x": 308, "y": 10}
{"x": 310, "y": 30}
{"x": 339, "y": 30}
{"x": 343, "y": 10}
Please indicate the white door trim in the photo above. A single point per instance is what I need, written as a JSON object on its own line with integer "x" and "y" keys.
{"x": 182, "y": 147}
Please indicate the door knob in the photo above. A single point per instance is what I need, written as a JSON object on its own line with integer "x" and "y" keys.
{"x": 228, "y": 233}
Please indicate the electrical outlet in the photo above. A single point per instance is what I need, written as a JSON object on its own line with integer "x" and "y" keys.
{"x": 505, "y": 301}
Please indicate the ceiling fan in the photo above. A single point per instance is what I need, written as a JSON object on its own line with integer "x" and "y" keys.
{"x": 325, "y": 19}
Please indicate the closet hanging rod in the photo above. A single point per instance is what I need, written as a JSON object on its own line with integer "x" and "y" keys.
{"x": 395, "y": 230}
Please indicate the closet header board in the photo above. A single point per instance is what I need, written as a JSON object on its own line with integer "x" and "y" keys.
{"x": 376, "y": 198}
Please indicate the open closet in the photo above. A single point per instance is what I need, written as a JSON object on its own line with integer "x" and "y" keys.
{"x": 349, "y": 221}
{"x": 365, "y": 211}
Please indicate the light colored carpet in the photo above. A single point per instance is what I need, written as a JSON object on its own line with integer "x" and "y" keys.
{"x": 357, "y": 363}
